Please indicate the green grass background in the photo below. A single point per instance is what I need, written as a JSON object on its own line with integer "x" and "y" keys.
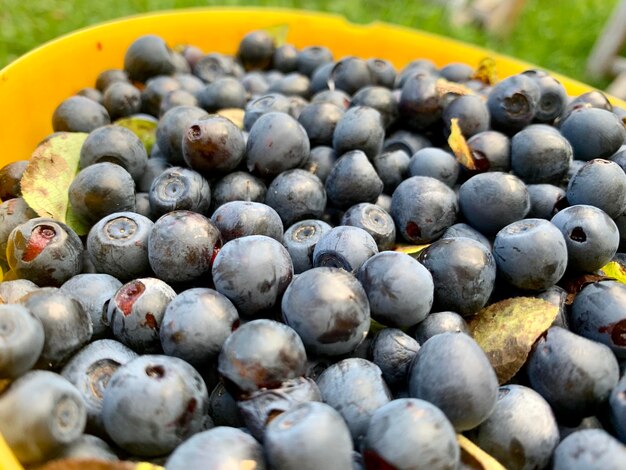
{"x": 554, "y": 34}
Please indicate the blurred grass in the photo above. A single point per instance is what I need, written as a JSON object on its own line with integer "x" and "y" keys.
{"x": 554, "y": 34}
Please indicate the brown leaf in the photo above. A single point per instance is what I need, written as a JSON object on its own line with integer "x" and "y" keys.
{"x": 573, "y": 285}
{"x": 234, "y": 115}
{"x": 486, "y": 71}
{"x": 507, "y": 330}
{"x": 443, "y": 87}
{"x": 473, "y": 457}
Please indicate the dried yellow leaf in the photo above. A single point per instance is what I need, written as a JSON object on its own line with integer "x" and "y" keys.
{"x": 459, "y": 146}
{"x": 413, "y": 250}
{"x": 486, "y": 71}
{"x": 475, "y": 458}
{"x": 615, "y": 270}
{"x": 235, "y": 115}
{"x": 48, "y": 176}
{"x": 507, "y": 330}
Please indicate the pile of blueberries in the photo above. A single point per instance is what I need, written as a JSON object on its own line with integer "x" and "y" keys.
{"x": 238, "y": 302}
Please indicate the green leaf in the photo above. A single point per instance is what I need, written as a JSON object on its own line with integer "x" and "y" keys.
{"x": 507, "y": 330}
{"x": 473, "y": 457}
{"x": 47, "y": 178}
{"x": 144, "y": 126}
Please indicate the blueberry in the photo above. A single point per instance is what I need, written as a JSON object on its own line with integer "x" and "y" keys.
{"x": 13, "y": 212}
{"x": 356, "y": 389}
{"x": 93, "y": 291}
{"x": 336, "y": 97}
{"x": 440, "y": 322}
{"x": 44, "y": 251}
{"x": 225, "y": 92}
{"x": 135, "y": 313}
{"x": 217, "y": 448}
{"x": 211, "y": 67}
{"x": 491, "y": 201}
{"x": 108, "y": 77}
{"x": 382, "y": 72}
{"x": 256, "y": 50}
{"x": 360, "y": 128}
{"x": 155, "y": 91}
{"x": 261, "y": 354}
{"x": 599, "y": 313}
{"x": 344, "y": 247}
{"x": 328, "y": 308}
{"x": 591, "y": 449}
{"x": 267, "y": 103}
{"x": 214, "y": 144}
{"x": 350, "y": 75}
{"x": 456, "y": 72}
{"x": 101, "y": 189}
{"x": 470, "y": 111}
{"x": 180, "y": 188}
{"x": 545, "y": 200}
{"x": 392, "y": 167}
{"x": 617, "y": 411}
{"x": 593, "y": 133}
{"x": 463, "y": 272}
{"x": 592, "y": 238}
{"x": 407, "y": 141}
{"x": 420, "y": 103}
{"x": 293, "y": 85}
{"x": 189, "y": 82}
{"x": 320, "y": 162}
{"x": 531, "y": 254}
{"x": 521, "y": 432}
{"x": 238, "y": 219}
{"x": 238, "y": 186}
{"x": 512, "y": 103}
{"x": 142, "y": 205}
{"x": 436, "y": 163}
{"x": 296, "y": 105}
{"x": 540, "y": 154}
{"x": 11, "y": 292}
{"x": 153, "y": 403}
{"x": 10, "y": 176}
{"x": 319, "y": 84}
{"x": 599, "y": 183}
{"x": 423, "y": 208}
{"x": 147, "y": 57}
{"x": 296, "y": 195}
{"x": 262, "y": 406}
{"x": 300, "y": 240}
{"x": 115, "y": 144}
{"x": 575, "y": 375}
{"x": 557, "y": 296}
{"x": 465, "y": 389}
{"x": 552, "y": 96}
{"x": 410, "y": 433}
{"x": 39, "y": 414}
{"x": 491, "y": 150}
{"x": 182, "y": 246}
{"x": 223, "y": 408}
{"x": 310, "y": 436}
{"x": 88, "y": 447}
{"x": 79, "y": 114}
{"x": 118, "y": 245}
{"x": 255, "y": 83}
{"x": 253, "y": 272}
{"x": 154, "y": 168}
{"x": 173, "y": 127}
{"x": 393, "y": 351}
{"x": 195, "y": 325}
{"x": 310, "y": 58}
{"x": 379, "y": 98}
{"x": 399, "y": 289}
{"x": 375, "y": 221}
{"x": 21, "y": 340}
{"x": 285, "y": 58}
{"x": 277, "y": 142}
{"x": 319, "y": 122}
{"x": 464, "y": 230}
{"x": 122, "y": 99}
{"x": 176, "y": 98}
{"x": 352, "y": 179}
{"x": 90, "y": 370}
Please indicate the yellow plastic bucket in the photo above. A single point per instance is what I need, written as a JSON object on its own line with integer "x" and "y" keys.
{"x": 32, "y": 86}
